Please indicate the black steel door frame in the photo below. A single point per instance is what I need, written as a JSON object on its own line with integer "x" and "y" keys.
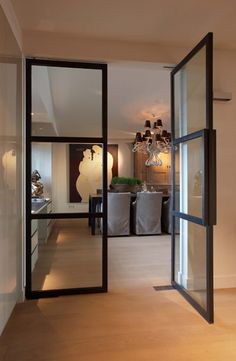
{"x": 34, "y": 294}
{"x": 208, "y": 136}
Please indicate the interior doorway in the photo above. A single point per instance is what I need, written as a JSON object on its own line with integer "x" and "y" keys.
{"x": 147, "y": 211}
{"x": 139, "y": 92}
{"x": 66, "y": 225}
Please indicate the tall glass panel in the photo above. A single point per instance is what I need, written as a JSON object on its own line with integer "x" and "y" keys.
{"x": 190, "y": 259}
{"x": 177, "y": 178}
{"x": 188, "y": 192}
{"x": 193, "y": 177}
{"x": 190, "y": 96}
{"x": 66, "y": 101}
{"x": 65, "y": 177}
{"x": 64, "y": 254}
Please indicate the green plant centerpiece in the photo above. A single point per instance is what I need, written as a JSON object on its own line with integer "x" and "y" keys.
{"x": 125, "y": 184}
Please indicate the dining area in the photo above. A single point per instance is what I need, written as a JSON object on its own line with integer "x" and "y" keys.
{"x": 145, "y": 212}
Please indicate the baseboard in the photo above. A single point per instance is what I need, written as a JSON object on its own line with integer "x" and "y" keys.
{"x": 21, "y": 296}
{"x": 228, "y": 281}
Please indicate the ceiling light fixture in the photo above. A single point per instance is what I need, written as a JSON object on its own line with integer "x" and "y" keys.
{"x": 153, "y": 141}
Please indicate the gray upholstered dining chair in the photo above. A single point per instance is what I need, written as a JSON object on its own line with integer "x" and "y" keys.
{"x": 147, "y": 213}
{"x": 118, "y": 220}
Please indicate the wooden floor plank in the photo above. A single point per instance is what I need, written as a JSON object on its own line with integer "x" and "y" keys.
{"x": 132, "y": 322}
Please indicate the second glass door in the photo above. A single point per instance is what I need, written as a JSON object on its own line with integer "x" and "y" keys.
{"x": 193, "y": 178}
{"x": 66, "y": 170}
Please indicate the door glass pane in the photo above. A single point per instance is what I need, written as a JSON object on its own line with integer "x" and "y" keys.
{"x": 66, "y": 101}
{"x": 189, "y": 175}
{"x": 190, "y": 259}
{"x": 70, "y": 175}
{"x": 64, "y": 254}
{"x": 190, "y": 96}
{"x": 177, "y": 178}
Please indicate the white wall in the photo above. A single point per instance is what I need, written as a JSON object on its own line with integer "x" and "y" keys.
{"x": 225, "y": 124}
{"x": 11, "y": 219}
{"x": 125, "y": 157}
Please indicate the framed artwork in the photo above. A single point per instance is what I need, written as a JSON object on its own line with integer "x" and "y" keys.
{"x": 85, "y": 169}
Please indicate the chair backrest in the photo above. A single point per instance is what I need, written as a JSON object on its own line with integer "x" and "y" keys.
{"x": 148, "y": 213}
{"x": 118, "y": 213}
{"x": 148, "y": 203}
{"x": 118, "y": 203}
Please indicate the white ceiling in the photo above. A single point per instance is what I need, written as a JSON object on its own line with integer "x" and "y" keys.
{"x": 136, "y": 92}
{"x": 69, "y": 100}
{"x": 172, "y": 22}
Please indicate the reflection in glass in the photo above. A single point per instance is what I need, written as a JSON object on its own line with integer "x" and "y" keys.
{"x": 190, "y": 259}
{"x": 66, "y": 101}
{"x": 190, "y": 96}
{"x": 177, "y": 249}
{"x": 64, "y": 254}
{"x": 188, "y": 177}
{"x": 177, "y": 178}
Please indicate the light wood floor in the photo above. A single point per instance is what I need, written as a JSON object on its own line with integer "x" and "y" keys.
{"x": 130, "y": 323}
{"x": 72, "y": 258}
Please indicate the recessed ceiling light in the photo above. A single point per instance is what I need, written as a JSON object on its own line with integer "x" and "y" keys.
{"x": 32, "y": 113}
{"x": 40, "y": 128}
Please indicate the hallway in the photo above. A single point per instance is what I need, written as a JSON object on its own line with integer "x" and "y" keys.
{"x": 131, "y": 322}
{"x": 137, "y": 324}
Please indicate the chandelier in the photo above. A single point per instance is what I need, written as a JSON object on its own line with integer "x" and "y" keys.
{"x": 152, "y": 142}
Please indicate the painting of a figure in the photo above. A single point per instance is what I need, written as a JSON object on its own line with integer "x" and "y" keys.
{"x": 86, "y": 169}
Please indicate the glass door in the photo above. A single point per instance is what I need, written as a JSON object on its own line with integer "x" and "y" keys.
{"x": 66, "y": 172}
{"x": 193, "y": 178}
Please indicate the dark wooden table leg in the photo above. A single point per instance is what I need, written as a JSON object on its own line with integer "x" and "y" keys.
{"x": 90, "y": 210}
{"x": 92, "y": 219}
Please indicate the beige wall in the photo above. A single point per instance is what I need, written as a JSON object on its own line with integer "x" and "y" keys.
{"x": 11, "y": 219}
{"x": 225, "y": 124}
